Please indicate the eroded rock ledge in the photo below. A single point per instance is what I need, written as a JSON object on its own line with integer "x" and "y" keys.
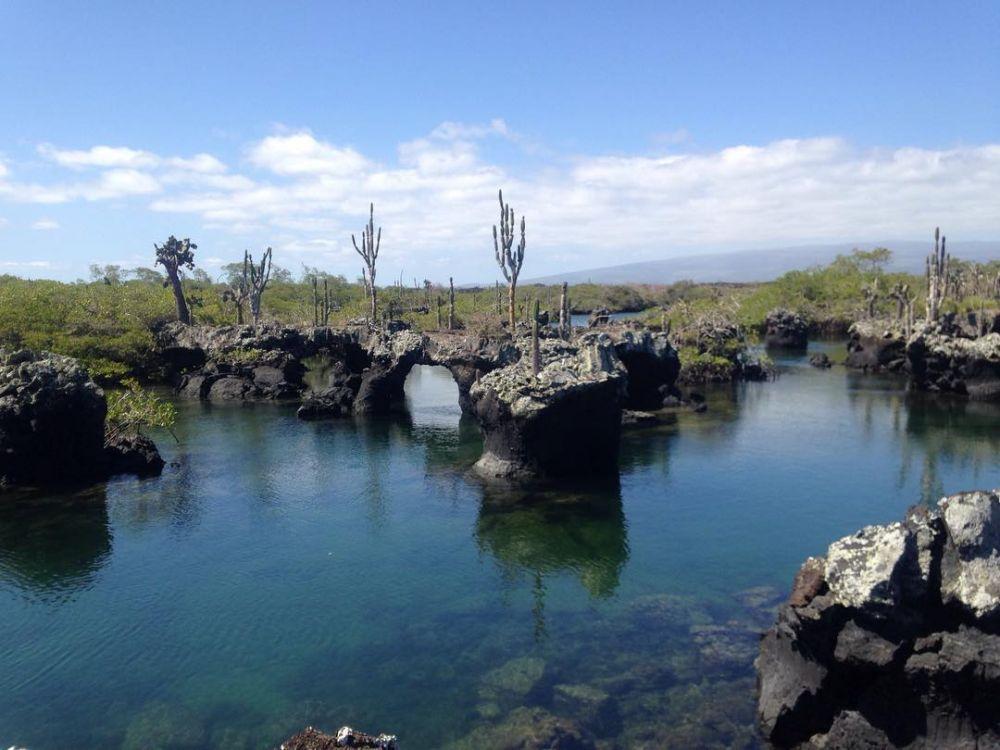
{"x": 893, "y": 638}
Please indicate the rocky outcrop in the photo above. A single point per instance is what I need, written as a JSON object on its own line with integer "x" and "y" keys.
{"x": 651, "y": 364}
{"x": 875, "y": 346}
{"x": 784, "y": 329}
{"x": 943, "y": 362}
{"x": 52, "y": 425}
{"x": 313, "y": 739}
{"x": 566, "y": 420}
{"x": 820, "y": 360}
{"x": 893, "y": 638}
{"x": 248, "y": 363}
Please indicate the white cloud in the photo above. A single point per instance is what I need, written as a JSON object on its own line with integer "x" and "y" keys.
{"x": 45, "y": 224}
{"x": 302, "y": 154}
{"x": 437, "y": 202}
{"x": 100, "y": 156}
{"x": 202, "y": 163}
{"x": 3, "y": 222}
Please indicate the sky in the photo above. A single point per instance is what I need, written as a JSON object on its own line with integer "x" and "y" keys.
{"x": 621, "y": 131}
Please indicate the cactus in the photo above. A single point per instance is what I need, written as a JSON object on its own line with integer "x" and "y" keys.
{"x": 900, "y": 293}
{"x": 370, "y": 244}
{"x": 499, "y": 300}
{"x": 258, "y": 276}
{"x": 175, "y": 255}
{"x": 564, "y": 319}
{"x": 321, "y": 307}
{"x": 451, "y": 304}
{"x": 508, "y": 258}
{"x": 937, "y": 276}
{"x": 536, "y": 357}
{"x": 439, "y": 303}
{"x": 871, "y": 294}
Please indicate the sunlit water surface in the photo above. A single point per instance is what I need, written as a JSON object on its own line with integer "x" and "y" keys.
{"x": 286, "y": 573}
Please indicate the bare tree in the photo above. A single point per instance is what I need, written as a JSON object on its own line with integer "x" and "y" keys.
{"x": 175, "y": 255}
{"x": 509, "y": 259}
{"x": 370, "y": 243}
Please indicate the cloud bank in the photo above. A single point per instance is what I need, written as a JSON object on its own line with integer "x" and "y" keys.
{"x": 437, "y": 200}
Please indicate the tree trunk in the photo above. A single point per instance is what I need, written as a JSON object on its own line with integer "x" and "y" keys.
{"x": 374, "y": 304}
{"x": 512, "y": 305}
{"x": 183, "y": 314}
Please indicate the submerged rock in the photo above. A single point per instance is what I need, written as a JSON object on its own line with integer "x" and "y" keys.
{"x": 893, "y": 638}
{"x": 820, "y": 360}
{"x": 528, "y": 729}
{"x": 784, "y": 329}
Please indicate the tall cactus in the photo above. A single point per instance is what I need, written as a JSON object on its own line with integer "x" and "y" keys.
{"x": 937, "y": 276}
{"x": 871, "y": 293}
{"x": 536, "y": 356}
{"x": 564, "y": 319}
{"x": 370, "y": 243}
{"x": 509, "y": 259}
{"x": 451, "y": 304}
{"x": 900, "y": 293}
{"x": 259, "y": 275}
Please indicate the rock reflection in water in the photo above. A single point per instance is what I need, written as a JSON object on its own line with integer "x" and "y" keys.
{"x": 53, "y": 548}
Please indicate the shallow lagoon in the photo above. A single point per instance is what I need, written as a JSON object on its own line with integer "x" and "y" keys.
{"x": 288, "y": 573}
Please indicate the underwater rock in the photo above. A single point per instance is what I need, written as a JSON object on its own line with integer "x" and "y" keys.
{"x": 592, "y": 707}
{"x": 513, "y": 683}
{"x": 875, "y": 346}
{"x": 164, "y": 726}
{"x": 784, "y": 329}
{"x": 528, "y": 729}
{"x": 940, "y": 362}
{"x": 564, "y": 421}
{"x": 893, "y": 638}
{"x": 313, "y": 739}
{"x": 52, "y": 425}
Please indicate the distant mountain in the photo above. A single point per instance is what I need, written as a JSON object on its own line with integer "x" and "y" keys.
{"x": 762, "y": 265}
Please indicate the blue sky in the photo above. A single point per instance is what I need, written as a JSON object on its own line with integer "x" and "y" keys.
{"x": 623, "y": 131}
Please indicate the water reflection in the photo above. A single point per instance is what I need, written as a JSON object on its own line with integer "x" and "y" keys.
{"x": 581, "y": 533}
{"x": 54, "y": 548}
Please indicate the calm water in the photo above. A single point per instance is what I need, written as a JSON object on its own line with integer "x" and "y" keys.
{"x": 287, "y": 573}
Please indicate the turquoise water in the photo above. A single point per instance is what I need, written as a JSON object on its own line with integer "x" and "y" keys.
{"x": 286, "y": 573}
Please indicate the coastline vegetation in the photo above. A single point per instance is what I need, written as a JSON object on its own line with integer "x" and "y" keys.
{"x": 107, "y": 321}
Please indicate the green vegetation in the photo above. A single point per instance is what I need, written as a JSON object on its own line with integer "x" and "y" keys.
{"x": 107, "y": 322}
{"x": 134, "y": 409}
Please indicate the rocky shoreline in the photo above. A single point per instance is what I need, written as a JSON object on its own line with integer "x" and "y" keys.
{"x": 52, "y": 426}
{"x": 893, "y": 638}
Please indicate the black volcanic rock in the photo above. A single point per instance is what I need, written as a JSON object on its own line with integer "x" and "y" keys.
{"x": 875, "y": 346}
{"x": 946, "y": 363}
{"x": 564, "y": 421}
{"x": 52, "y": 427}
{"x": 893, "y": 638}
{"x": 784, "y": 329}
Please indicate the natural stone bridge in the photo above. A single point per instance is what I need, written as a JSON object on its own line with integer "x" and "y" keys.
{"x": 564, "y": 420}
